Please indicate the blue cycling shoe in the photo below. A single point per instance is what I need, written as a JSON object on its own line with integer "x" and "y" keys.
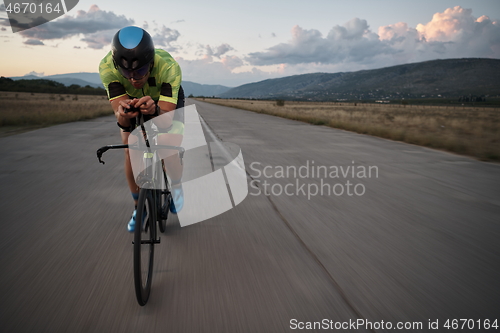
{"x": 131, "y": 223}
{"x": 177, "y": 201}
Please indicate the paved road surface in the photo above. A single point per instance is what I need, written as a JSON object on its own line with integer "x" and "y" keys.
{"x": 417, "y": 241}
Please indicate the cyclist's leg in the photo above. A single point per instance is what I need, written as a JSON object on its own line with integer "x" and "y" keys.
{"x": 134, "y": 189}
{"x": 171, "y": 159}
{"x": 174, "y": 137}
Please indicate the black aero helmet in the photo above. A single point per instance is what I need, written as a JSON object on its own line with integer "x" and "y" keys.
{"x": 133, "y": 51}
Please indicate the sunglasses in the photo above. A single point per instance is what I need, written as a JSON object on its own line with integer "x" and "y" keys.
{"x": 136, "y": 74}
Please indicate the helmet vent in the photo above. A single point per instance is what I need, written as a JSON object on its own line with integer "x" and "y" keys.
{"x": 124, "y": 63}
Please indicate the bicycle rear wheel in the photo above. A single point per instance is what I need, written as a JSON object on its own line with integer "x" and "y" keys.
{"x": 144, "y": 240}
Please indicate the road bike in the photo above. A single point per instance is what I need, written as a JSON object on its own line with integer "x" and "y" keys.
{"x": 152, "y": 208}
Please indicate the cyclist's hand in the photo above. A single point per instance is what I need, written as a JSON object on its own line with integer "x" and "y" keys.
{"x": 125, "y": 105}
{"x": 146, "y": 104}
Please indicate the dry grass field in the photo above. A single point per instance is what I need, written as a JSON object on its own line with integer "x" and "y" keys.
{"x": 469, "y": 131}
{"x": 25, "y": 111}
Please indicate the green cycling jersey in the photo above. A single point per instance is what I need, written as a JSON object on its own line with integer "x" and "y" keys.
{"x": 163, "y": 83}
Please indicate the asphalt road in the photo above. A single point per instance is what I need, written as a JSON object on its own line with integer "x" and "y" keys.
{"x": 417, "y": 240}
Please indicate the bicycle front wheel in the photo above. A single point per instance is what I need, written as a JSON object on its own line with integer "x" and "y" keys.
{"x": 144, "y": 240}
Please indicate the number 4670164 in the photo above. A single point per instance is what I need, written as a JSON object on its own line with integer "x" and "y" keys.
{"x": 32, "y": 8}
{"x": 463, "y": 324}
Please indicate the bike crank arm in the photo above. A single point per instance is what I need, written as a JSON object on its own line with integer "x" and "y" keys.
{"x": 147, "y": 241}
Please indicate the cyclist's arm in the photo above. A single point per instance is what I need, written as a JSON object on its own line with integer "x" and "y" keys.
{"x": 169, "y": 81}
{"x": 148, "y": 106}
{"x": 166, "y": 107}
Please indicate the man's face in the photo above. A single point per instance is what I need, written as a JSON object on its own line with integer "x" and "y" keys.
{"x": 134, "y": 76}
{"x": 138, "y": 84}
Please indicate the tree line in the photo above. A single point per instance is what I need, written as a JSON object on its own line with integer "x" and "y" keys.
{"x": 472, "y": 98}
{"x": 47, "y": 86}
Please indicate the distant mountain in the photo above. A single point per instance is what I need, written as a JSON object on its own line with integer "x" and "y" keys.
{"x": 47, "y": 86}
{"x": 81, "y": 79}
{"x": 93, "y": 80}
{"x": 26, "y": 77}
{"x": 207, "y": 90}
{"x": 437, "y": 78}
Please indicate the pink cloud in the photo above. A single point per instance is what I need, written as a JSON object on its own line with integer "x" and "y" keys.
{"x": 453, "y": 33}
{"x": 448, "y": 26}
{"x": 389, "y": 32}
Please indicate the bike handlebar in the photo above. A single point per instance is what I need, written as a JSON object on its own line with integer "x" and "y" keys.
{"x": 104, "y": 149}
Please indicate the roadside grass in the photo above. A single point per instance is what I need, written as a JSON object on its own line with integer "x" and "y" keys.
{"x": 472, "y": 131}
{"x": 20, "y": 112}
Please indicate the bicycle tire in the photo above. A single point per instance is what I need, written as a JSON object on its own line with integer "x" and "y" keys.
{"x": 144, "y": 240}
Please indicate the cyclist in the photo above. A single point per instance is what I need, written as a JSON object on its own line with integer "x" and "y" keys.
{"x": 135, "y": 74}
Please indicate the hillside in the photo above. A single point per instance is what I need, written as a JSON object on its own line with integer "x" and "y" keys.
{"x": 438, "y": 78}
{"x": 93, "y": 80}
{"x": 81, "y": 79}
{"x": 208, "y": 90}
{"x": 47, "y": 86}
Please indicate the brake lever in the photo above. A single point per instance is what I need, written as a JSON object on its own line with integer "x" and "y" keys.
{"x": 100, "y": 151}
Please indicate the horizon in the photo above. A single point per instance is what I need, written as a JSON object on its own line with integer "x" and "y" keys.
{"x": 353, "y": 71}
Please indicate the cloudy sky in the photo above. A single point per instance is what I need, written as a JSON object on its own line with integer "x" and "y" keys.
{"x": 232, "y": 42}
